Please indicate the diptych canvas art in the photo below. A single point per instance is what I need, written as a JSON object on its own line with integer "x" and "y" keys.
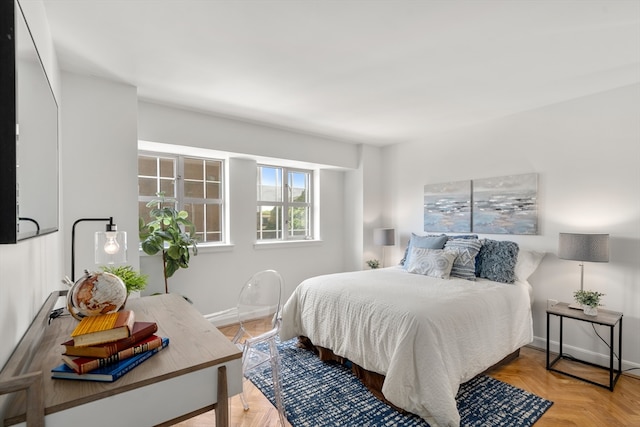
{"x": 500, "y": 205}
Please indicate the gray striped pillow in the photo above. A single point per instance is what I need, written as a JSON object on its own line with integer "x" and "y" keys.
{"x": 466, "y": 250}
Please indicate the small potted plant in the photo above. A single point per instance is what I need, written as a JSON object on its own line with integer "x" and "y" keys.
{"x": 590, "y": 300}
{"x": 373, "y": 263}
{"x": 133, "y": 280}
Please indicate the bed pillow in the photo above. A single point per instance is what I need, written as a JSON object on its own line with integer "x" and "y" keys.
{"x": 463, "y": 236}
{"x": 466, "y": 250}
{"x": 497, "y": 260}
{"x": 430, "y": 241}
{"x": 528, "y": 262}
{"x": 431, "y": 262}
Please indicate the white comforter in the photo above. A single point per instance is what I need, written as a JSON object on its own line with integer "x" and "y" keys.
{"x": 426, "y": 335}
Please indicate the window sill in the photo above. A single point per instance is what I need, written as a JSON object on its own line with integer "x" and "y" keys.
{"x": 204, "y": 249}
{"x": 286, "y": 244}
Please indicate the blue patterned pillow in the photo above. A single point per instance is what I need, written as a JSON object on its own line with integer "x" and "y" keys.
{"x": 431, "y": 262}
{"x": 466, "y": 250}
{"x": 497, "y": 260}
{"x": 463, "y": 236}
{"x": 430, "y": 241}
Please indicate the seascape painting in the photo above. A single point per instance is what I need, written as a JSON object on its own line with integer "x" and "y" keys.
{"x": 506, "y": 205}
{"x": 447, "y": 207}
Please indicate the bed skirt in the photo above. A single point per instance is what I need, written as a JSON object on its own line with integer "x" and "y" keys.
{"x": 372, "y": 380}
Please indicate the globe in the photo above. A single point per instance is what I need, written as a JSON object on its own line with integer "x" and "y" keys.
{"x": 96, "y": 293}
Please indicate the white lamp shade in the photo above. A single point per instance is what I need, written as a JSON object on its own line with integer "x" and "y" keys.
{"x": 384, "y": 236}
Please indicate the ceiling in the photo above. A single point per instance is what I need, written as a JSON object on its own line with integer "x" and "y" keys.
{"x": 378, "y": 71}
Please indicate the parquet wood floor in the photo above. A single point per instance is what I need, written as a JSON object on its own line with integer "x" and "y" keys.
{"x": 576, "y": 403}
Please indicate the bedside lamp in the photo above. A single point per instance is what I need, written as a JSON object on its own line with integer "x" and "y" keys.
{"x": 384, "y": 237}
{"x": 583, "y": 247}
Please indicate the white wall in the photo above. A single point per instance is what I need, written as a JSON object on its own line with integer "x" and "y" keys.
{"x": 215, "y": 276}
{"x": 99, "y": 164}
{"x": 587, "y": 154}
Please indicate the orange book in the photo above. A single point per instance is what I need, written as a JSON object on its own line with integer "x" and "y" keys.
{"x": 141, "y": 330}
{"x": 82, "y": 365}
{"x": 104, "y": 328}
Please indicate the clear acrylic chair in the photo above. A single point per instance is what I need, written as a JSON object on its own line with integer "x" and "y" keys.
{"x": 260, "y": 299}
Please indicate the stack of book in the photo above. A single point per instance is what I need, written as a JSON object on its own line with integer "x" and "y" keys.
{"x": 105, "y": 347}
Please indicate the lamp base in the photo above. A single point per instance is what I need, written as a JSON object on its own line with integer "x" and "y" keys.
{"x": 576, "y": 306}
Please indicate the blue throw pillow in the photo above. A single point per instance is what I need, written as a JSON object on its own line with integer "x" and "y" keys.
{"x": 425, "y": 242}
{"x": 466, "y": 250}
{"x": 497, "y": 260}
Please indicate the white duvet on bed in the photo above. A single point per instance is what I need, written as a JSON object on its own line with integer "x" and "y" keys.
{"x": 427, "y": 335}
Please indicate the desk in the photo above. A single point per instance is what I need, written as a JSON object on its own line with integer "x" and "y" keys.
{"x": 196, "y": 373}
{"x": 604, "y": 317}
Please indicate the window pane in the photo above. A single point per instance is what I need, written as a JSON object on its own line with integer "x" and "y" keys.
{"x": 298, "y": 222}
{"x": 269, "y": 222}
{"x": 147, "y": 186}
{"x": 168, "y": 186}
{"x": 269, "y": 184}
{"x": 167, "y": 169}
{"x": 214, "y": 218}
{"x": 193, "y": 169}
{"x": 213, "y": 170}
{"x": 147, "y": 166}
{"x": 143, "y": 211}
{"x": 213, "y": 191}
{"x": 194, "y": 189}
{"x": 298, "y": 185}
{"x": 214, "y": 237}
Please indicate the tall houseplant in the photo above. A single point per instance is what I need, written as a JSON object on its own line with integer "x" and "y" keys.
{"x": 169, "y": 231}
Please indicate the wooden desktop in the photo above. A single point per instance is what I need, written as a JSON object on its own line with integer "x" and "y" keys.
{"x": 197, "y": 372}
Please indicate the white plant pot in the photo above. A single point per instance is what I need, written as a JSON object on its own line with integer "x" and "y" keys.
{"x": 590, "y": 311}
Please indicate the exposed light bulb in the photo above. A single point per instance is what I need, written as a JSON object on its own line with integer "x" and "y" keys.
{"x": 111, "y": 246}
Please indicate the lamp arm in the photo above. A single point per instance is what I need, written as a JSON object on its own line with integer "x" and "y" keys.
{"x": 73, "y": 241}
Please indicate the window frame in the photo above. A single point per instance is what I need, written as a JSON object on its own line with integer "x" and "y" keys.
{"x": 179, "y": 190}
{"x": 285, "y": 204}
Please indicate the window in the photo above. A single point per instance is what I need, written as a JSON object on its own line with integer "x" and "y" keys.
{"x": 285, "y": 207}
{"x": 195, "y": 183}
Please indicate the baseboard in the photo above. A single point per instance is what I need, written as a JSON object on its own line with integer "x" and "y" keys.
{"x": 230, "y": 316}
{"x": 586, "y": 355}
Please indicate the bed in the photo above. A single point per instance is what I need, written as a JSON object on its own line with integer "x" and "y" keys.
{"x": 426, "y": 335}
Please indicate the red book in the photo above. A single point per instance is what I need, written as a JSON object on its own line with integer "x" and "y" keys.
{"x": 140, "y": 331}
{"x": 82, "y": 365}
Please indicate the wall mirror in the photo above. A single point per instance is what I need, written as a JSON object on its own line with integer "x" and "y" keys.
{"x": 28, "y": 134}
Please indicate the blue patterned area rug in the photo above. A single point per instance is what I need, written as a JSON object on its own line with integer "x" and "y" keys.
{"x": 319, "y": 394}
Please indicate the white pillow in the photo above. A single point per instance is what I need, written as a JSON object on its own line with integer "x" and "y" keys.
{"x": 431, "y": 262}
{"x": 528, "y": 262}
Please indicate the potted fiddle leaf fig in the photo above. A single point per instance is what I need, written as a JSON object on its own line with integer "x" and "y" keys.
{"x": 170, "y": 232}
{"x": 590, "y": 300}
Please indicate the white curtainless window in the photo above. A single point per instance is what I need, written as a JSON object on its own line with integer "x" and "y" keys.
{"x": 195, "y": 183}
{"x": 285, "y": 203}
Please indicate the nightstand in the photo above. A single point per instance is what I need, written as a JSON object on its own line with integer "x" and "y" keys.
{"x": 604, "y": 317}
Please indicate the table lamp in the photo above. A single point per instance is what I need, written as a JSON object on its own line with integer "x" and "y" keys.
{"x": 110, "y": 245}
{"x": 384, "y": 237}
{"x": 583, "y": 247}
